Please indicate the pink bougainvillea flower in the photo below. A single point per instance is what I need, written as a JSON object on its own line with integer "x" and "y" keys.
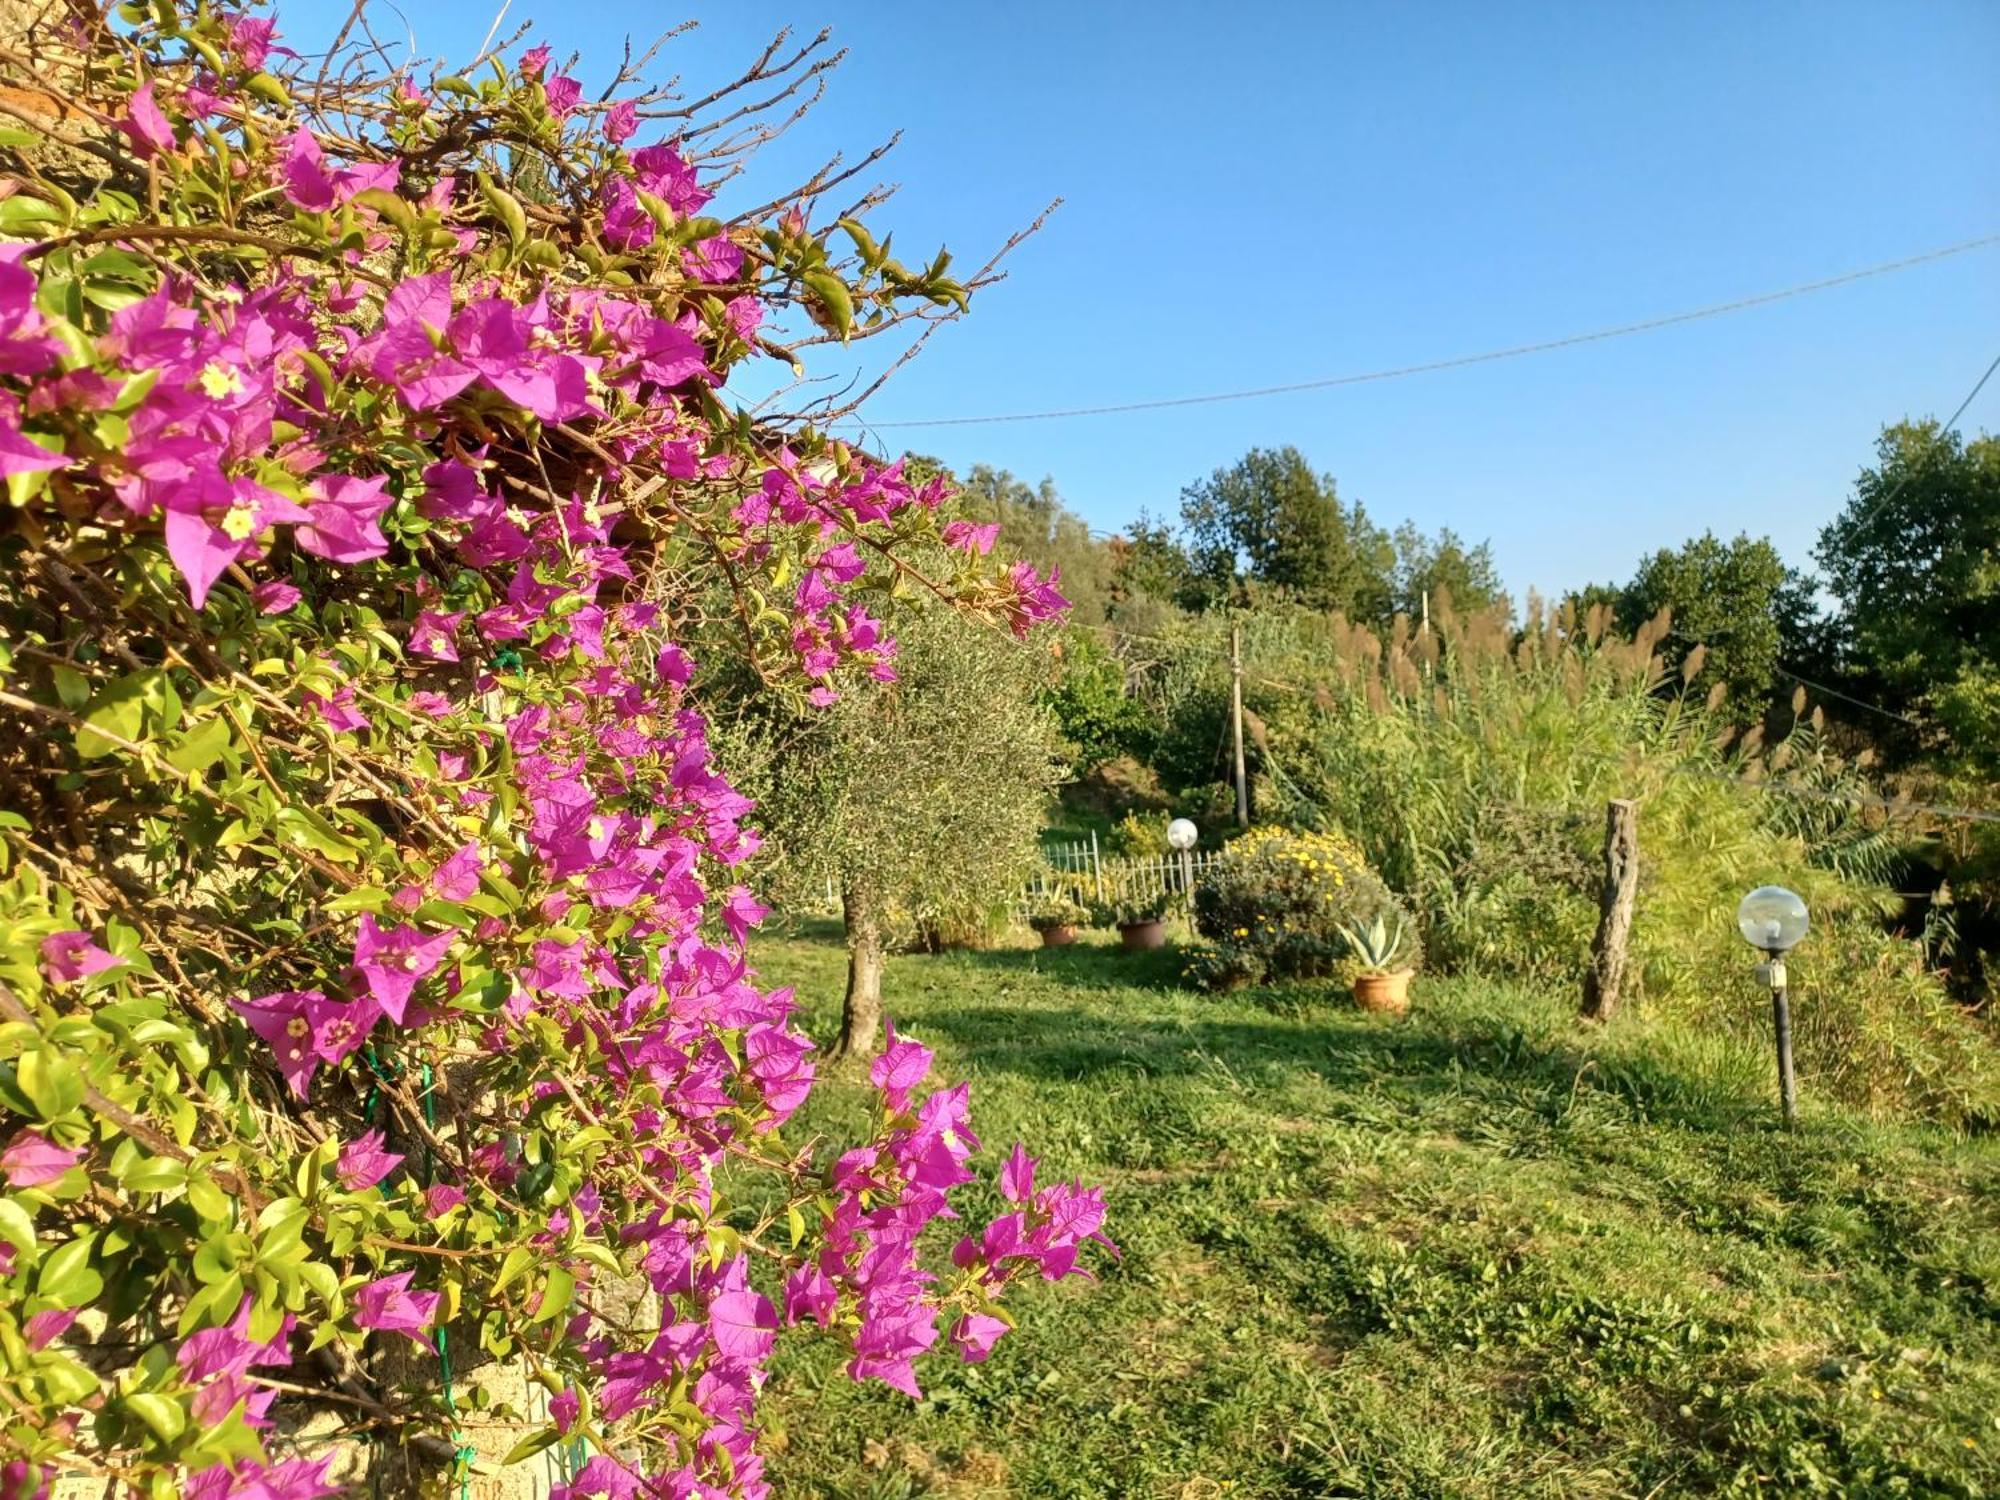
{"x": 304, "y": 1029}
{"x": 433, "y": 634}
{"x": 713, "y": 260}
{"x": 21, "y": 454}
{"x": 394, "y": 961}
{"x": 209, "y": 1352}
{"x": 743, "y": 1324}
{"x": 294, "y": 1479}
{"x": 665, "y": 173}
{"x": 213, "y": 520}
{"x": 458, "y": 876}
{"x": 363, "y": 1162}
{"x": 1017, "y": 1175}
{"x": 564, "y": 1409}
{"x": 274, "y": 596}
{"x": 309, "y": 185}
{"x": 70, "y": 956}
{"x": 145, "y": 126}
{"x": 741, "y": 911}
{"x": 535, "y": 61}
{"x": 389, "y": 1306}
{"x": 810, "y": 1294}
{"x": 1036, "y": 598}
{"x": 32, "y": 1159}
{"x": 342, "y": 523}
{"x": 26, "y": 345}
{"x": 899, "y": 1069}
{"x": 250, "y": 36}
{"x": 43, "y": 1328}
{"x": 405, "y": 351}
{"x": 968, "y": 537}
{"x": 441, "y": 1198}
{"x": 620, "y": 121}
{"x": 976, "y": 1334}
{"x": 563, "y": 95}
{"x": 500, "y": 342}
{"x": 338, "y": 712}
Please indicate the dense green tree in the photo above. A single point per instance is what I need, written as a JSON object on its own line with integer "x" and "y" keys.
{"x": 1269, "y": 519}
{"x": 1098, "y": 719}
{"x": 1731, "y": 599}
{"x": 1443, "y": 565}
{"x": 1914, "y": 560}
{"x": 1149, "y": 562}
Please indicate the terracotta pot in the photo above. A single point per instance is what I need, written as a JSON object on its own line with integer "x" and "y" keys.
{"x": 1057, "y": 937}
{"x": 1139, "y": 936}
{"x": 1387, "y": 994}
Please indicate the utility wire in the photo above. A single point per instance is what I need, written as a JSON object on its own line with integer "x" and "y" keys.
{"x": 1869, "y": 512}
{"x": 1516, "y": 351}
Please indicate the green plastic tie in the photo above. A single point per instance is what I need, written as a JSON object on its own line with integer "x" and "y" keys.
{"x": 464, "y": 1452}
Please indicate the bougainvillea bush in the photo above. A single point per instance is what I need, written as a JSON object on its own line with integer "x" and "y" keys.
{"x": 373, "y": 989}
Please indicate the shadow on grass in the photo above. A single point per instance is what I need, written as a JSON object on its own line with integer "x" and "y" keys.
{"x": 1455, "y": 1050}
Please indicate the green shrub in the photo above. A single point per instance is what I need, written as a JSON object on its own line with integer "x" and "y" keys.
{"x": 1056, "y": 908}
{"x": 1274, "y": 904}
{"x": 1132, "y": 907}
{"x": 1872, "y": 1027}
{"x": 1137, "y": 837}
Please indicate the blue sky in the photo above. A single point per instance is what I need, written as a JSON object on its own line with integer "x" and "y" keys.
{"x": 1264, "y": 193}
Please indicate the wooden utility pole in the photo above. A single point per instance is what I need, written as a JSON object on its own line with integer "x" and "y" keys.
{"x": 1606, "y": 977}
{"x": 1236, "y": 723}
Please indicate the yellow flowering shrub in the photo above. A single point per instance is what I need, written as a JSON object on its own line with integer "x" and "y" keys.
{"x": 1273, "y": 906}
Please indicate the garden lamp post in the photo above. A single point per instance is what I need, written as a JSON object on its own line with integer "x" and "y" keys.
{"x": 1772, "y": 920}
{"x": 1181, "y": 837}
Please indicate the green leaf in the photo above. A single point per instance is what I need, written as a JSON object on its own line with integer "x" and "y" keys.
{"x": 833, "y": 295}
{"x": 513, "y": 1267}
{"x": 201, "y": 747}
{"x": 154, "y": 1174}
{"x": 23, "y": 215}
{"x": 66, "y": 1277}
{"x": 507, "y": 207}
{"x": 52, "y": 1083}
{"x": 17, "y": 1228}
{"x": 557, "y": 1293}
{"x": 166, "y": 1416}
{"x": 207, "y": 1199}
{"x": 121, "y": 711}
{"x": 307, "y": 829}
{"x": 530, "y": 1445}
{"x": 391, "y": 207}
{"x": 267, "y": 88}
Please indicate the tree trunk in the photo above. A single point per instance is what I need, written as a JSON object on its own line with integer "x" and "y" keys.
{"x": 861, "y": 1010}
{"x": 1606, "y": 978}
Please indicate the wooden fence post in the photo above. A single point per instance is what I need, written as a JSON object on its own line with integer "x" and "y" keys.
{"x": 1606, "y": 978}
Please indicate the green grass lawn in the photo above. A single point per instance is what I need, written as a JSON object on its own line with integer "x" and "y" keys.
{"x": 1471, "y": 1252}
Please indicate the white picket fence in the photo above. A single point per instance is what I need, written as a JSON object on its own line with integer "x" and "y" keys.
{"x": 1079, "y": 864}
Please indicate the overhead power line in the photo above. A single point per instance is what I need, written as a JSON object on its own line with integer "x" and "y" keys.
{"x": 1516, "y": 351}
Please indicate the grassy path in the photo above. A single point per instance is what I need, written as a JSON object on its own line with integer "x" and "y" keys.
{"x": 1470, "y": 1253}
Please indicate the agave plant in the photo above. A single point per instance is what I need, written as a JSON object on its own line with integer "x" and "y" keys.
{"x": 1378, "y": 945}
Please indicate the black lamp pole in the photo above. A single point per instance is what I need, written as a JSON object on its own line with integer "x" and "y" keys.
{"x": 1781, "y": 1023}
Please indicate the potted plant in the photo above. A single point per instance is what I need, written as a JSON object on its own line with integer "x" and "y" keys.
{"x": 1383, "y": 981}
{"x": 1056, "y": 918}
{"x": 1142, "y": 921}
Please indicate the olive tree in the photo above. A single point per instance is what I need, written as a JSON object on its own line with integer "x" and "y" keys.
{"x": 918, "y": 800}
